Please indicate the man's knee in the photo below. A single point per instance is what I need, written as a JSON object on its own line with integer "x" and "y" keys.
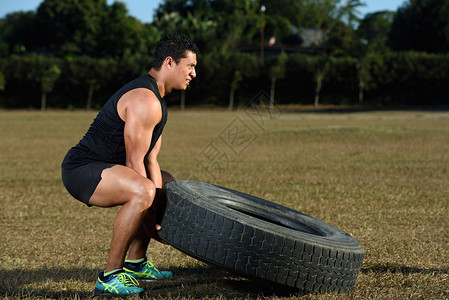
{"x": 144, "y": 194}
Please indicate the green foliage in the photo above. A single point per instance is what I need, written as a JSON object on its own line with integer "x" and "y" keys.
{"x": 70, "y": 26}
{"x": 389, "y": 79}
{"x": 213, "y": 25}
{"x": 19, "y": 33}
{"x": 29, "y": 75}
{"x": 410, "y": 78}
{"x": 374, "y": 29}
{"x": 122, "y": 36}
{"x": 49, "y": 77}
{"x": 421, "y": 25}
{"x": 336, "y": 21}
{"x": 74, "y": 28}
{"x": 219, "y": 72}
{"x": 88, "y": 75}
{"x": 43, "y": 73}
{"x": 277, "y": 70}
{"x": 98, "y": 47}
{"x": 2, "y": 81}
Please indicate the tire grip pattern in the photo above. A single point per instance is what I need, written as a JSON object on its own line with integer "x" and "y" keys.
{"x": 254, "y": 253}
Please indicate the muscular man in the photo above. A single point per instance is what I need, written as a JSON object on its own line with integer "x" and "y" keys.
{"x": 116, "y": 162}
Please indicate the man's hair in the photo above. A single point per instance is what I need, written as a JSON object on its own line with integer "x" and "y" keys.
{"x": 174, "y": 45}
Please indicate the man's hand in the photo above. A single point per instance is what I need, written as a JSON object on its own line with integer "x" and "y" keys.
{"x": 154, "y": 216}
{"x": 152, "y": 227}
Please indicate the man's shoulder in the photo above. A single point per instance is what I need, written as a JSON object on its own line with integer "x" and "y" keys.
{"x": 145, "y": 98}
{"x": 140, "y": 101}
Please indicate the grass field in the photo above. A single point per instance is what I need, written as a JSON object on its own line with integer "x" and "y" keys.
{"x": 381, "y": 176}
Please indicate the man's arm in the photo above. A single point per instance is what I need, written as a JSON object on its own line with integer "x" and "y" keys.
{"x": 152, "y": 165}
{"x": 154, "y": 174}
{"x": 142, "y": 112}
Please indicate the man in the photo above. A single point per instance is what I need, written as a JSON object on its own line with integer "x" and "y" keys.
{"x": 116, "y": 162}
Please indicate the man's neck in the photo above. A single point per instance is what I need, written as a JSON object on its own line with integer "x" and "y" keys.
{"x": 159, "y": 80}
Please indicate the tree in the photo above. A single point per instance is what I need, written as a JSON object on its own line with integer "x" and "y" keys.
{"x": 2, "y": 81}
{"x": 4, "y": 47}
{"x": 277, "y": 71}
{"x": 335, "y": 20}
{"x": 92, "y": 71}
{"x": 219, "y": 25}
{"x": 77, "y": 27}
{"x": 236, "y": 79}
{"x": 372, "y": 35}
{"x": 373, "y": 30}
{"x": 238, "y": 66}
{"x": 337, "y": 23}
{"x": 194, "y": 18}
{"x": 421, "y": 25}
{"x": 323, "y": 65}
{"x": 71, "y": 26}
{"x": 237, "y": 63}
{"x": 48, "y": 79}
{"x": 363, "y": 75}
{"x": 44, "y": 72}
{"x": 19, "y": 33}
{"x": 121, "y": 35}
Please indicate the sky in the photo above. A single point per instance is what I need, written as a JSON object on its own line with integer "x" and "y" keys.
{"x": 143, "y": 10}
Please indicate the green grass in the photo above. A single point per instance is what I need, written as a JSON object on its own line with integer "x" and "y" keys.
{"x": 381, "y": 176}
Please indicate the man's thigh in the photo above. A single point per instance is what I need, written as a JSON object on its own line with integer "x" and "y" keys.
{"x": 82, "y": 180}
{"x": 118, "y": 185}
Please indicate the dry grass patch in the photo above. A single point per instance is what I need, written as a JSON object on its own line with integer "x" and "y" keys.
{"x": 381, "y": 176}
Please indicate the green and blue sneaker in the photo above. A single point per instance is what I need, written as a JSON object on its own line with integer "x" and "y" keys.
{"x": 118, "y": 283}
{"x": 143, "y": 269}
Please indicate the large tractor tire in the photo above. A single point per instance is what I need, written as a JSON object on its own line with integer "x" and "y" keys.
{"x": 259, "y": 239}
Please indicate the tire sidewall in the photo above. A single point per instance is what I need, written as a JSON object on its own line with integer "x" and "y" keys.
{"x": 333, "y": 237}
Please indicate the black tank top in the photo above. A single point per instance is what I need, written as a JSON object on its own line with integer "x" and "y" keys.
{"x": 104, "y": 141}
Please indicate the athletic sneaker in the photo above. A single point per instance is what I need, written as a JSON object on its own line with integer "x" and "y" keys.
{"x": 145, "y": 270}
{"x": 118, "y": 283}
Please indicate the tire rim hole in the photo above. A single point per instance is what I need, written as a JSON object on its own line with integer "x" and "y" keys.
{"x": 273, "y": 219}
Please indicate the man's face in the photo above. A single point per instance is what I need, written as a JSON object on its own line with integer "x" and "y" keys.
{"x": 184, "y": 71}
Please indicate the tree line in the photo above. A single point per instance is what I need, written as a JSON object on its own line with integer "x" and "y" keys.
{"x": 71, "y": 54}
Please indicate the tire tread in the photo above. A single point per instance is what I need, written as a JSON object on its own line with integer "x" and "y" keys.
{"x": 254, "y": 253}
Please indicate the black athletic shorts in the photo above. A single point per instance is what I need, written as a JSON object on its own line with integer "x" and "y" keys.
{"x": 82, "y": 181}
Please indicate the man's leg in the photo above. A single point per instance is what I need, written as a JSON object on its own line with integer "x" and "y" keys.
{"x": 139, "y": 245}
{"x": 121, "y": 185}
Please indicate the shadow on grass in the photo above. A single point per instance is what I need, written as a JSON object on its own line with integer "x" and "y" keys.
{"x": 393, "y": 268}
{"x": 198, "y": 282}
{"x": 19, "y": 283}
{"x": 208, "y": 282}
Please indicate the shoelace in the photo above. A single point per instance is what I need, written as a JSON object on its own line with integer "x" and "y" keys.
{"x": 150, "y": 264}
{"x": 126, "y": 279}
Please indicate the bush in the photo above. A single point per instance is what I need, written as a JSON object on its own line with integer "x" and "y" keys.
{"x": 2, "y": 81}
{"x": 395, "y": 79}
{"x": 81, "y": 78}
{"x": 410, "y": 78}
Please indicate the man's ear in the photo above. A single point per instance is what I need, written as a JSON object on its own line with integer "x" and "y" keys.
{"x": 169, "y": 62}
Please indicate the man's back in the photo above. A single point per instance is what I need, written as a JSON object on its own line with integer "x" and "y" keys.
{"x": 104, "y": 140}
